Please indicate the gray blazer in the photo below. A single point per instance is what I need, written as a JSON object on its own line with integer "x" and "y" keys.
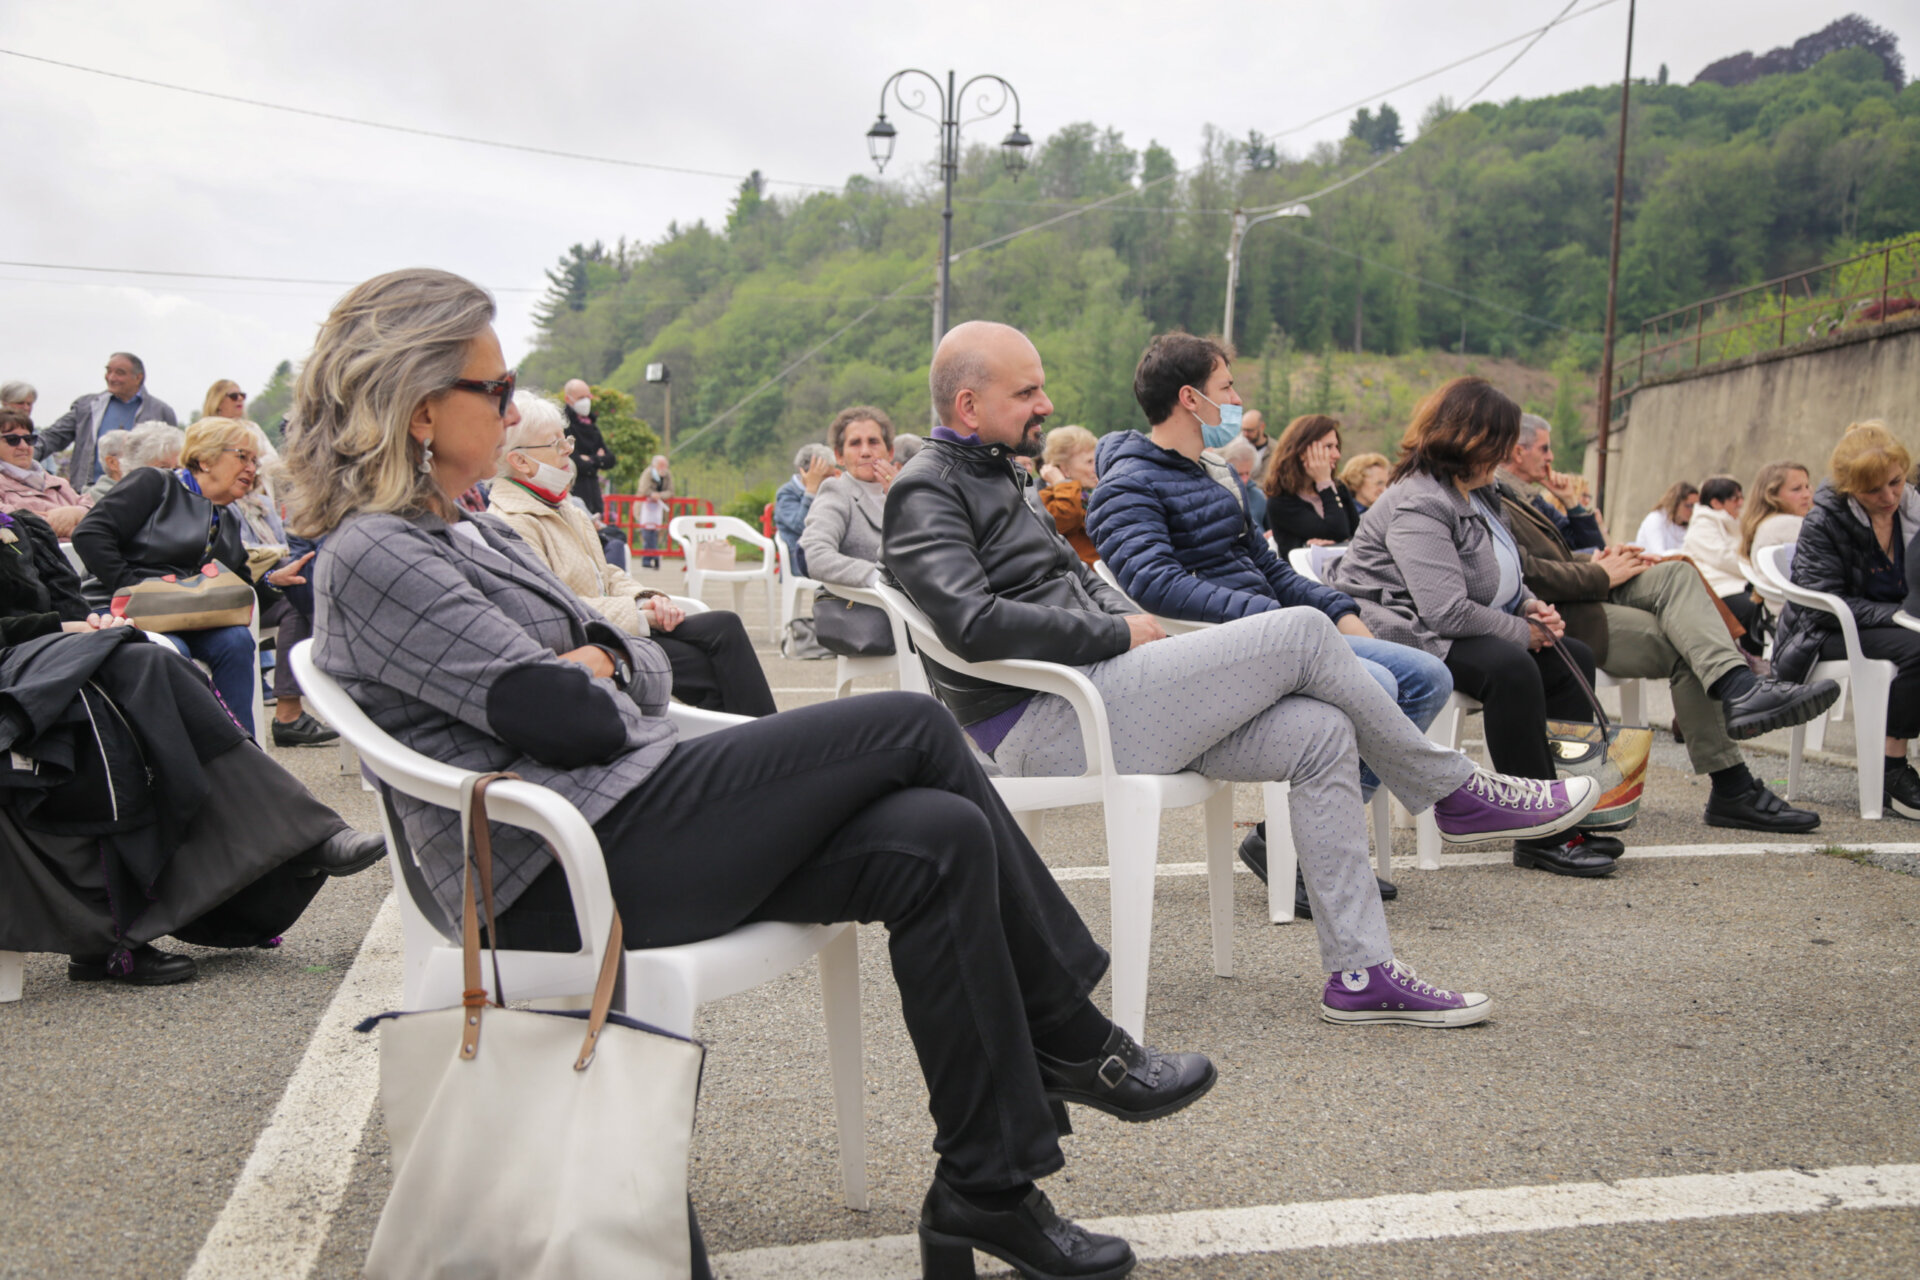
{"x": 80, "y": 427}
{"x": 841, "y": 541}
{"x": 1422, "y": 568}
{"x": 417, "y": 624}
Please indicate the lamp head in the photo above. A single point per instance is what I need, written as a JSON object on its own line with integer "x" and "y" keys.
{"x": 1013, "y": 148}
{"x": 880, "y": 142}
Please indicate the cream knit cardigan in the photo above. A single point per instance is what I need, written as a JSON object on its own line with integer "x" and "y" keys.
{"x": 565, "y": 539}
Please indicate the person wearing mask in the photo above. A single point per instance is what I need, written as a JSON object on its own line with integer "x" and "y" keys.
{"x": 1665, "y": 527}
{"x": 224, "y": 399}
{"x": 812, "y": 466}
{"x": 18, "y": 396}
{"x": 1365, "y": 475}
{"x": 714, "y": 666}
{"x": 591, "y": 457}
{"x": 1067, "y": 476}
{"x": 656, "y": 488}
{"x": 883, "y": 814}
{"x": 1558, "y": 497}
{"x": 1306, "y": 506}
{"x": 1656, "y": 619}
{"x": 125, "y": 403}
{"x": 1855, "y": 544}
{"x": 1273, "y": 696}
{"x": 25, "y": 485}
{"x": 1713, "y": 544}
{"x": 1782, "y": 497}
{"x": 841, "y": 540}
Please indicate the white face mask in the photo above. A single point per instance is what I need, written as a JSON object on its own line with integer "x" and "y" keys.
{"x": 551, "y": 478}
{"x": 583, "y": 406}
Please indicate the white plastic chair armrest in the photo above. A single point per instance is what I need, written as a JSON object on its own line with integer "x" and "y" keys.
{"x": 696, "y": 723}
{"x": 1810, "y": 599}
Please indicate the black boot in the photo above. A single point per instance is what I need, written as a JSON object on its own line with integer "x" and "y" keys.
{"x": 1127, "y": 1080}
{"x": 1031, "y": 1238}
{"x": 150, "y": 967}
{"x": 343, "y": 853}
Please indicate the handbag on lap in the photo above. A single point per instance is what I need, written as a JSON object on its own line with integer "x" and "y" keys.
{"x": 850, "y": 629}
{"x": 1613, "y": 755}
{"x": 532, "y": 1144}
{"x": 218, "y": 597}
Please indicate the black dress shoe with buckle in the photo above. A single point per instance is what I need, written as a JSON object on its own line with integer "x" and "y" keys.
{"x": 346, "y": 852}
{"x": 148, "y": 967}
{"x": 1758, "y": 809}
{"x": 1568, "y": 857}
{"x": 1775, "y": 704}
{"x": 1032, "y": 1239}
{"x": 1127, "y": 1080}
{"x": 1253, "y": 852}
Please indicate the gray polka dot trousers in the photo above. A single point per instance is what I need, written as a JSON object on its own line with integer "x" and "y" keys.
{"x": 1277, "y": 697}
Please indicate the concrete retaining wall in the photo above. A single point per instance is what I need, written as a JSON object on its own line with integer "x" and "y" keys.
{"x": 1788, "y": 404}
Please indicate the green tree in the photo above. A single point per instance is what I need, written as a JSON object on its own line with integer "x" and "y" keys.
{"x": 627, "y": 435}
{"x": 270, "y": 405}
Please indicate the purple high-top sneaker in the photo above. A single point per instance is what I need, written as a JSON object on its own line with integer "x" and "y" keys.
{"x": 1493, "y": 806}
{"x": 1391, "y": 992}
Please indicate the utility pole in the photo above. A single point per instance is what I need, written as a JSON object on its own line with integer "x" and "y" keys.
{"x": 1613, "y": 273}
{"x": 664, "y": 376}
{"x": 1241, "y": 225}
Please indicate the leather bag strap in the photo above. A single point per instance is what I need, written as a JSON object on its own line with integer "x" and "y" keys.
{"x": 612, "y": 969}
{"x": 476, "y": 853}
{"x": 1579, "y": 676}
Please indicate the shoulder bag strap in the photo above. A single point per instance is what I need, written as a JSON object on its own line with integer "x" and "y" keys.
{"x": 1579, "y": 676}
{"x": 476, "y": 850}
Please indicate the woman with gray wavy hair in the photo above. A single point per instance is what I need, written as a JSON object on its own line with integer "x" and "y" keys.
{"x": 459, "y": 642}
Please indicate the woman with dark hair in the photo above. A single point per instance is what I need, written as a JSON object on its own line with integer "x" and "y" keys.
{"x": 1435, "y": 567}
{"x": 1665, "y": 527}
{"x": 841, "y": 539}
{"x": 1713, "y": 544}
{"x": 1306, "y": 506}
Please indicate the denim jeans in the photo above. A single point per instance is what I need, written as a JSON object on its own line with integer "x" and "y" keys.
{"x": 230, "y": 656}
{"x": 1416, "y": 680}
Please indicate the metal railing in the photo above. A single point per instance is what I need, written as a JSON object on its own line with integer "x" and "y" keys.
{"x": 622, "y": 511}
{"x": 1864, "y": 289}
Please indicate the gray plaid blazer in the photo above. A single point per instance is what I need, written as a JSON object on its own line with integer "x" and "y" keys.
{"x": 417, "y": 623}
{"x": 1422, "y": 568}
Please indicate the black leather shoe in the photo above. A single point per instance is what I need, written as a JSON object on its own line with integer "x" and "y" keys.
{"x": 304, "y": 732}
{"x": 1758, "y": 810}
{"x": 151, "y": 968}
{"x": 1128, "y": 1080}
{"x": 1253, "y": 852}
{"x": 1605, "y": 845}
{"x": 344, "y": 853}
{"x": 1775, "y": 704}
{"x": 1568, "y": 857}
{"x": 1032, "y": 1239}
{"x": 1902, "y": 789}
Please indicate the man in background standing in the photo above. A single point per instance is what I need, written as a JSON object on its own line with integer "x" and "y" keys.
{"x": 124, "y": 404}
{"x": 590, "y": 453}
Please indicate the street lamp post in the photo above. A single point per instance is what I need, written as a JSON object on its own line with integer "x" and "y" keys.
{"x": 1241, "y": 225}
{"x": 880, "y": 139}
{"x": 664, "y": 376}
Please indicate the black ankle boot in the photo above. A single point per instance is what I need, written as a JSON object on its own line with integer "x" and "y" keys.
{"x": 1032, "y": 1239}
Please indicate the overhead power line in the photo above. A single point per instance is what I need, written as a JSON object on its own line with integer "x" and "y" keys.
{"x": 364, "y": 123}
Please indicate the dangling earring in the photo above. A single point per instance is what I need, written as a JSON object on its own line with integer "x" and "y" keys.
{"x": 426, "y": 457}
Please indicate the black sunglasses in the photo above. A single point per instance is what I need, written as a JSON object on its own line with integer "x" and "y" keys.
{"x": 32, "y": 437}
{"x": 502, "y": 389}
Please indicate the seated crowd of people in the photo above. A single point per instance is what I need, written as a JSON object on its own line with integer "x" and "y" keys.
{"x": 435, "y": 529}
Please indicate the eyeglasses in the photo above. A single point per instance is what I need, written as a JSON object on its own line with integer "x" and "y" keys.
{"x": 502, "y": 388}
{"x": 248, "y": 458}
{"x": 32, "y": 437}
{"x": 236, "y": 395}
{"x": 563, "y": 443}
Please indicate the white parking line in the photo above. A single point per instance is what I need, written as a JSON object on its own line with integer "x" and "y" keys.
{"x": 1438, "y": 1215}
{"x": 284, "y": 1201}
{"x": 1502, "y": 858}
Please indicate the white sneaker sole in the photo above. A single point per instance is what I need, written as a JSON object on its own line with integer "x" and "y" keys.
{"x": 1466, "y": 1016}
{"x": 1553, "y": 827}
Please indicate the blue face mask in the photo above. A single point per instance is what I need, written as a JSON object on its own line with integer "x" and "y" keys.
{"x": 1214, "y": 436}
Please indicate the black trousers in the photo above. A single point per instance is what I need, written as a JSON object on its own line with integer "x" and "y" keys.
{"x": 714, "y": 666}
{"x": 1901, "y": 647}
{"x": 868, "y": 809}
{"x": 1746, "y": 611}
{"x": 1520, "y": 689}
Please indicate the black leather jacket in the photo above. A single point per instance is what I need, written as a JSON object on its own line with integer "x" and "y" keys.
{"x": 1835, "y": 554}
{"x": 992, "y": 574}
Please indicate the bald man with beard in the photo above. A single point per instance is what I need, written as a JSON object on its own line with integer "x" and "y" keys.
{"x": 1275, "y": 696}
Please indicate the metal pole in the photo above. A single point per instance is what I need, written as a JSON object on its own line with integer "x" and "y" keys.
{"x": 668, "y": 448}
{"x": 1233, "y": 271}
{"x": 1613, "y": 271}
{"x": 950, "y": 164}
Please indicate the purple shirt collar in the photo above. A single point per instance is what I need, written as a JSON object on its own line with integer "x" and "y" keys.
{"x": 947, "y": 433}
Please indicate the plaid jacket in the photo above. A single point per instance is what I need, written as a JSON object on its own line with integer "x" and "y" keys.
{"x": 416, "y": 624}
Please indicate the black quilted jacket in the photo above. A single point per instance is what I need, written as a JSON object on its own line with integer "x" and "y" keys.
{"x": 1835, "y": 555}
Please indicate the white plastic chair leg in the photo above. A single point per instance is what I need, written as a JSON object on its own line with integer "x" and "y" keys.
{"x": 1133, "y": 847}
{"x": 1874, "y": 684}
{"x": 13, "y": 969}
{"x": 1283, "y": 860}
{"x": 1631, "y": 701}
{"x": 1382, "y": 832}
{"x": 773, "y": 608}
{"x": 1032, "y": 822}
{"x": 739, "y": 598}
{"x": 1796, "y": 748}
{"x": 696, "y": 582}
{"x": 842, "y": 678}
{"x": 1815, "y": 730}
{"x": 1220, "y": 855}
{"x": 840, "y": 1001}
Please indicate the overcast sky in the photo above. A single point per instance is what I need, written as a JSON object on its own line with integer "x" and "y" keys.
{"x": 111, "y": 174}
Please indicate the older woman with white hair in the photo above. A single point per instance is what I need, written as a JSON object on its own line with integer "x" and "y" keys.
{"x": 714, "y": 666}
{"x": 151, "y": 444}
{"x": 455, "y": 639}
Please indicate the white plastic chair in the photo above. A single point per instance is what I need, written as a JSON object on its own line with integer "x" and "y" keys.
{"x": 665, "y": 985}
{"x": 1133, "y": 804}
{"x": 691, "y": 531}
{"x": 1871, "y": 678}
{"x": 903, "y": 662}
{"x": 792, "y": 583}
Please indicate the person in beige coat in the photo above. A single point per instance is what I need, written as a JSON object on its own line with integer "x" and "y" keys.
{"x": 714, "y": 666}
{"x": 1713, "y": 544}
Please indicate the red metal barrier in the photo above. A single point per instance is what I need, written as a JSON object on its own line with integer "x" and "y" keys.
{"x": 622, "y": 511}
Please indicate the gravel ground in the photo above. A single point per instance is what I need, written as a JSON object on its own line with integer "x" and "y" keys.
{"x": 1681, "y": 1017}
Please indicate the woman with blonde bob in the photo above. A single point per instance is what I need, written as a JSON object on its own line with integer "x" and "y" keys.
{"x": 154, "y": 523}
{"x": 459, "y": 642}
{"x": 224, "y": 399}
{"x": 1067, "y": 477}
{"x": 1855, "y": 543}
{"x": 714, "y": 666}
